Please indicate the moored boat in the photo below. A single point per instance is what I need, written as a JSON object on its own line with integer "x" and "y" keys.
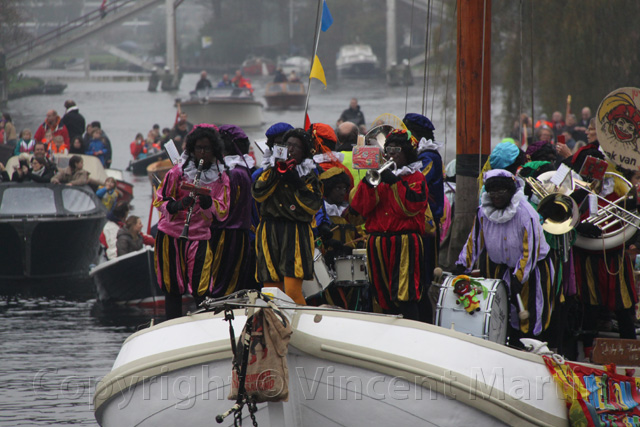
{"x": 285, "y": 95}
{"x": 48, "y": 231}
{"x": 224, "y": 105}
{"x": 357, "y": 61}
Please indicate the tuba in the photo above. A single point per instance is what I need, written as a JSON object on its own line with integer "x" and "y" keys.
{"x": 374, "y": 176}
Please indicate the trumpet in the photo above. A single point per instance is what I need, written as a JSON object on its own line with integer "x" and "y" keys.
{"x": 374, "y": 176}
{"x": 283, "y": 167}
{"x": 195, "y": 190}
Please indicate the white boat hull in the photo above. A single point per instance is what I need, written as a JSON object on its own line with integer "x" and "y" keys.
{"x": 344, "y": 369}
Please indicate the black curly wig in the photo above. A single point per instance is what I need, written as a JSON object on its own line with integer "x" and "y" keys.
{"x": 330, "y": 183}
{"x": 402, "y": 140}
{"x": 303, "y": 136}
{"x": 203, "y": 132}
{"x": 230, "y": 144}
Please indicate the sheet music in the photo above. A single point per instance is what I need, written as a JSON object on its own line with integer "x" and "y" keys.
{"x": 172, "y": 151}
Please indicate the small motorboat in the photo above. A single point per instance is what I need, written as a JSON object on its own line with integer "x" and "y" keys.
{"x": 357, "y": 61}
{"x": 53, "y": 88}
{"x": 287, "y": 95}
{"x": 127, "y": 289}
{"x": 224, "y": 105}
{"x": 48, "y": 231}
{"x": 139, "y": 167}
{"x": 129, "y": 279}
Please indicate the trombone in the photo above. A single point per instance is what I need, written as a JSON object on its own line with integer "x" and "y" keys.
{"x": 611, "y": 210}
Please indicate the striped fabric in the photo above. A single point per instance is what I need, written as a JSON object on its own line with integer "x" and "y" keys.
{"x": 605, "y": 278}
{"x": 537, "y": 293}
{"x": 395, "y": 262}
{"x": 183, "y": 265}
{"x": 284, "y": 249}
{"x": 230, "y": 267}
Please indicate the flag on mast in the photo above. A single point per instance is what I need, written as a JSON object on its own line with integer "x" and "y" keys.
{"x": 327, "y": 19}
{"x": 317, "y": 72}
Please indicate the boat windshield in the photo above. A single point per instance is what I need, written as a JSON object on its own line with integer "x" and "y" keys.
{"x": 28, "y": 201}
{"x": 77, "y": 201}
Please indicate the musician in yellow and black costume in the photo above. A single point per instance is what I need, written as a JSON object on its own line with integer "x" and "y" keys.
{"x": 290, "y": 195}
{"x": 340, "y": 231}
{"x": 183, "y": 264}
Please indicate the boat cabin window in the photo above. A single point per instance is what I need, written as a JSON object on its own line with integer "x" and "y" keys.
{"x": 77, "y": 201}
{"x": 28, "y": 201}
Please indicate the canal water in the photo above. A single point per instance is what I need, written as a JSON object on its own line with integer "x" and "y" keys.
{"x": 54, "y": 350}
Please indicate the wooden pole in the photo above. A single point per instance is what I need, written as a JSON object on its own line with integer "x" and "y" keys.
{"x": 473, "y": 115}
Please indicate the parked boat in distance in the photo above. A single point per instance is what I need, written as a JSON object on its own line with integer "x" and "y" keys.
{"x": 357, "y": 61}
{"x": 299, "y": 64}
{"x": 258, "y": 66}
{"x": 285, "y": 95}
{"x": 224, "y": 105}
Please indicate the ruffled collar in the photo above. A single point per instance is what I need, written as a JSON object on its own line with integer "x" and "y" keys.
{"x": 335, "y": 210}
{"x": 303, "y": 168}
{"x": 207, "y": 177}
{"x": 409, "y": 169}
{"x": 237, "y": 160}
{"x": 501, "y": 215}
{"x": 428, "y": 144}
{"x": 328, "y": 157}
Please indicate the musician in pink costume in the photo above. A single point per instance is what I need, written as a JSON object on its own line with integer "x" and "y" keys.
{"x": 184, "y": 265}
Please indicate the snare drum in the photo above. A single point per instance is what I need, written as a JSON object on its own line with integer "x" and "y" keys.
{"x": 351, "y": 270}
{"x": 490, "y": 323}
{"x": 321, "y": 276}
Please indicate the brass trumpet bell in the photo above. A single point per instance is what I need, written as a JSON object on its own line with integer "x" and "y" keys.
{"x": 560, "y": 213}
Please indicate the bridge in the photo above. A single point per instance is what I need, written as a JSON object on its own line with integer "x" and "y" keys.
{"x": 39, "y": 48}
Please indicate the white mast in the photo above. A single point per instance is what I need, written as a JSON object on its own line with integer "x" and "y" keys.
{"x": 392, "y": 55}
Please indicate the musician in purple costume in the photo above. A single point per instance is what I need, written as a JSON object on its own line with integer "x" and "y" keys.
{"x": 184, "y": 265}
{"x": 508, "y": 242}
{"x": 230, "y": 238}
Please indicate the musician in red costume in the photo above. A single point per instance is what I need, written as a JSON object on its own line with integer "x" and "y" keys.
{"x": 395, "y": 219}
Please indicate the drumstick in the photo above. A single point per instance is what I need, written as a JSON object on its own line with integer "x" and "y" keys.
{"x": 332, "y": 230}
{"x": 356, "y": 240}
{"x": 523, "y": 314}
